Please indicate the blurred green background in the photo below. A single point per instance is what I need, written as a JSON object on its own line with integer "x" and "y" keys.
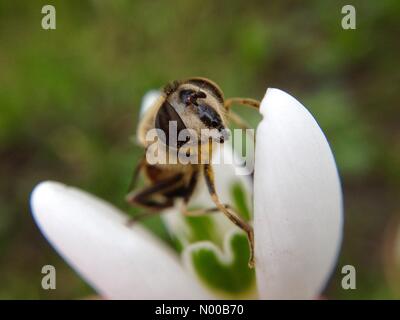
{"x": 69, "y": 101}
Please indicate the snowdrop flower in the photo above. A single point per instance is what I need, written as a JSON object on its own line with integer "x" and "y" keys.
{"x": 297, "y": 224}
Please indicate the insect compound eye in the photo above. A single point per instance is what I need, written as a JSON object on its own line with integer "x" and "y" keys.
{"x": 189, "y": 97}
{"x": 164, "y": 121}
{"x": 210, "y": 117}
{"x": 185, "y": 96}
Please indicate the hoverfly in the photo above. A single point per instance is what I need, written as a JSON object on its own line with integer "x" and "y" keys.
{"x": 195, "y": 104}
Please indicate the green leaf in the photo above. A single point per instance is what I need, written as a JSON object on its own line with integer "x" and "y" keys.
{"x": 240, "y": 200}
{"x": 201, "y": 229}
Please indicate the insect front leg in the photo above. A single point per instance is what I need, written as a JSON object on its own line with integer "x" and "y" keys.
{"x": 146, "y": 197}
{"x": 209, "y": 177}
{"x": 203, "y": 211}
{"x": 235, "y": 118}
{"x": 242, "y": 101}
{"x": 136, "y": 173}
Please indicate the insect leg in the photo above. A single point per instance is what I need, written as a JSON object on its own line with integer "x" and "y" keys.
{"x": 189, "y": 192}
{"x": 209, "y": 177}
{"x": 238, "y": 120}
{"x": 145, "y": 197}
{"x": 242, "y": 101}
{"x": 203, "y": 211}
{"x": 136, "y": 173}
{"x": 235, "y": 118}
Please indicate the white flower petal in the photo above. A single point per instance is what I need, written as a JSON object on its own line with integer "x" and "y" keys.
{"x": 148, "y": 99}
{"x": 298, "y": 204}
{"x": 119, "y": 262}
